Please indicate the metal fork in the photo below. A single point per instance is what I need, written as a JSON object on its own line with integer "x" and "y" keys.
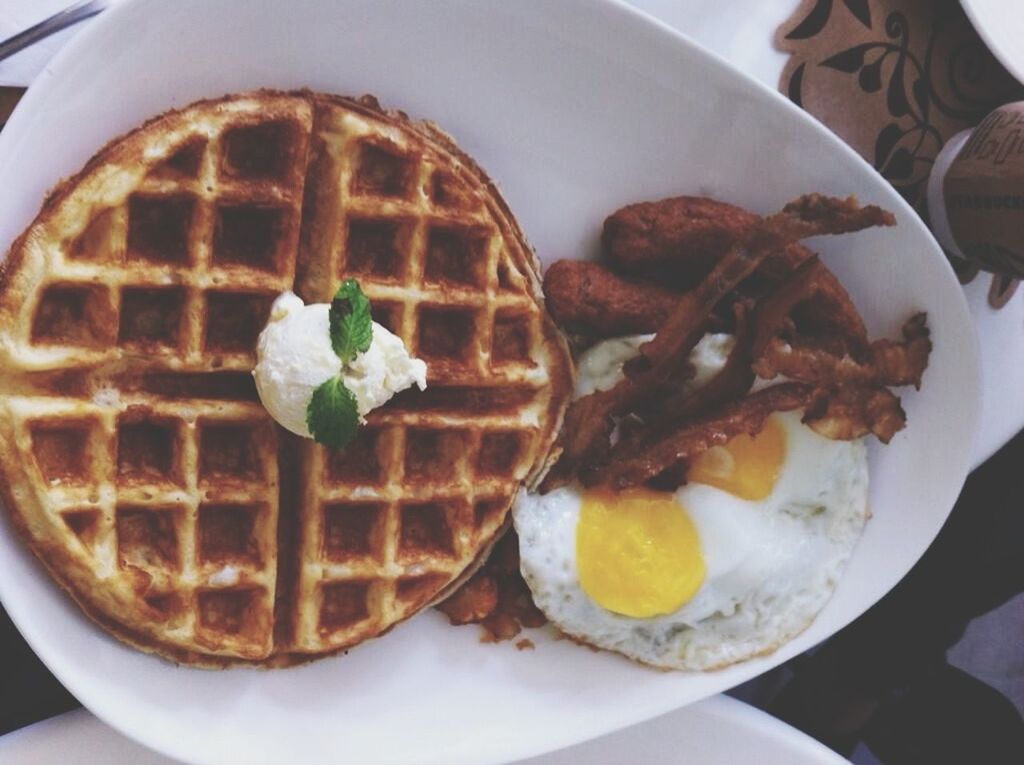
{"x": 58, "y": 21}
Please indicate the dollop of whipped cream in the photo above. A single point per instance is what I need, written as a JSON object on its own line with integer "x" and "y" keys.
{"x": 294, "y": 357}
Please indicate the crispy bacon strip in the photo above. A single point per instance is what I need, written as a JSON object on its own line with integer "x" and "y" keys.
{"x": 904, "y": 363}
{"x": 746, "y": 415}
{"x": 730, "y": 382}
{"x": 586, "y": 432}
{"x": 887, "y": 362}
{"x": 815, "y": 214}
{"x": 810, "y": 215}
{"x": 592, "y": 299}
{"x": 588, "y": 422}
{"x": 773, "y": 311}
{"x": 827, "y": 309}
{"x": 852, "y": 412}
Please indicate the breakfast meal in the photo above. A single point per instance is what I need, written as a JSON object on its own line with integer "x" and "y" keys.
{"x": 712, "y": 475}
{"x": 137, "y": 460}
{"x": 279, "y": 371}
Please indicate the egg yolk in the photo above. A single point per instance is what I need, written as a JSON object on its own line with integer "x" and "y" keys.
{"x": 746, "y": 466}
{"x": 637, "y": 552}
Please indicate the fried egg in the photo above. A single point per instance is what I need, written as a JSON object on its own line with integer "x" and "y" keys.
{"x": 731, "y": 565}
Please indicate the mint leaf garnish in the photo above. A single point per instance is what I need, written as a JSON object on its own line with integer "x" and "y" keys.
{"x": 332, "y": 416}
{"x": 351, "y": 325}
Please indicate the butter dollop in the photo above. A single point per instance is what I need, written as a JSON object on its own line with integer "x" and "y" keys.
{"x": 294, "y": 357}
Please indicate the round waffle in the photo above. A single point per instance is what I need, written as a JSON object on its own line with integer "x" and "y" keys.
{"x": 135, "y": 457}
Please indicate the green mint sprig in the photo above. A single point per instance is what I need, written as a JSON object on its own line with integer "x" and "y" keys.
{"x": 332, "y": 415}
{"x": 351, "y": 324}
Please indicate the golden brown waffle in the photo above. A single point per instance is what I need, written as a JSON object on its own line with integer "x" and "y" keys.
{"x": 134, "y": 455}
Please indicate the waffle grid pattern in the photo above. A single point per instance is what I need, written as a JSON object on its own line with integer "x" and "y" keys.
{"x": 186, "y": 509}
{"x": 402, "y": 511}
{"x": 186, "y": 267}
{"x": 167, "y": 504}
{"x": 398, "y": 520}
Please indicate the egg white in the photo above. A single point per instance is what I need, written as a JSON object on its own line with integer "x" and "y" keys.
{"x": 771, "y": 564}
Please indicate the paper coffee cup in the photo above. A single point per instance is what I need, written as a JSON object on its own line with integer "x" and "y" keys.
{"x": 976, "y": 193}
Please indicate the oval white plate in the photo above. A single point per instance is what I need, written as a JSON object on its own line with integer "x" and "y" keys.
{"x": 717, "y": 731}
{"x": 575, "y": 108}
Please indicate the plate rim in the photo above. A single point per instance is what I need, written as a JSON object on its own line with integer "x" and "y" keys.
{"x": 730, "y": 712}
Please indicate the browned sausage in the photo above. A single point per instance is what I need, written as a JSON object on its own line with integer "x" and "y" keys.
{"x": 591, "y": 299}
{"x": 685, "y": 236}
{"x": 697, "y": 230}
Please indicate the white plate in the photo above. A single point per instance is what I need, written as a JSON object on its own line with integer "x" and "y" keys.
{"x": 717, "y": 731}
{"x": 575, "y": 108}
{"x": 1000, "y": 23}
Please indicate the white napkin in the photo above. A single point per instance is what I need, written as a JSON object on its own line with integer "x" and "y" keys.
{"x": 18, "y": 15}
